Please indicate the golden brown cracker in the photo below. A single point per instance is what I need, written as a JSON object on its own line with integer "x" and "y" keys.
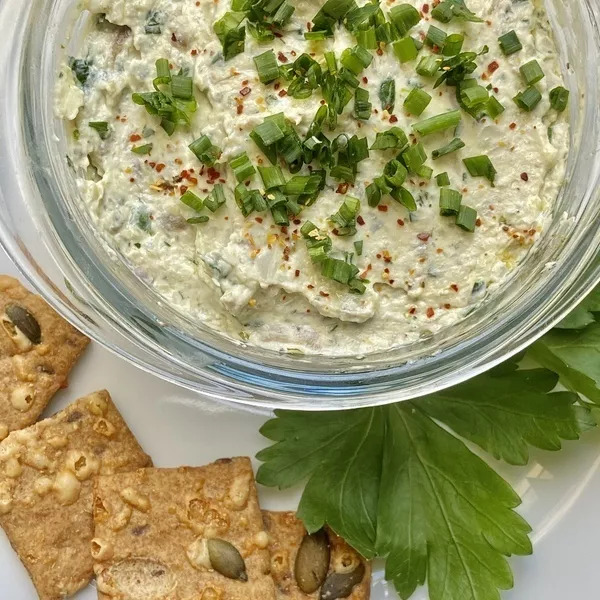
{"x": 46, "y": 481}
{"x": 38, "y": 348}
{"x": 286, "y": 533}
{"x": 153, "y": 528}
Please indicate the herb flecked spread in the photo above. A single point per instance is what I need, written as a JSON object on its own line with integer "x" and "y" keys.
{"x": 333, "y": 178}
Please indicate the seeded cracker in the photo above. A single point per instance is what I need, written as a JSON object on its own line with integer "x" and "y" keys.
{"x": 181, "y": 534}
{"x": 46, "y": 474}
{"x": 286, "y": 533}
{"x": 37, "y": 350}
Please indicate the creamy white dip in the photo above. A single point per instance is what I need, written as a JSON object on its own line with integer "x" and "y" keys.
{"x": 253, "y": 280}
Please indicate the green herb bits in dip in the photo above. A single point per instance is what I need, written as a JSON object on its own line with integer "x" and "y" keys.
{"x": 333, "y": 178}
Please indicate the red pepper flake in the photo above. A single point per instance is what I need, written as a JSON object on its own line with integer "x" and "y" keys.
{"x": 277, "y": 34}
{"x": 324, "y": 294}
{"x": 284, "y": 230}
{"x": 297, "y": 221}
{"x": 245, "y": 91}
{"x": 183, "y": 189}
{"x": 197, "y": 2}
{"x": 310, "y": 286}
{"x": 454, "y": 287}
{"x": 393, "y": 119}
{"x": 152, "y": 165}
{"x": 365, "y": 80}
{"x": 493, "y": 67}
{"x": 282, "y": 94}
{"x": 386, "y": 270}
{"x": 425, "y": 8}
{"x": 360, "y": 220}
{"x": 194, "y": 52}
{"x": 379, "y": 51}
{"x": 293, "y": 53}
{"x": 424, "y": 236}
{"x": 282, "y": 57}
{"x": 131, "y": 179}
{"x": 135, "y": 137}
{"x": 276, "y": 86}
{"x": 213, "y": 174}
{"x": 240, "y": 109}
{"x": 412, "y": 311}
{"x": 297, "y": 273}
{"x": 484, "y": 76}
{"x": 430, "y": 312}
{"x": 160, "y": 167}
{"x": 335, "y": 231}
{"x": 309, "y": 26}
{"x": 524, "y": 177}
{"x": 513, "y": 125}
{"x": 245, "y": 82}
{"x": 400, "y": 222}
{"x": 478, "y": 222}
{"x": 496, "y": 90}
{"x": 447, "y": 306}
{"x": 378, "y": 255}
{"x": 342, "y": 188}
{"x": 258, "y": 219}
{"x": 382, "y": 208}
{"x": 193, "y": 180}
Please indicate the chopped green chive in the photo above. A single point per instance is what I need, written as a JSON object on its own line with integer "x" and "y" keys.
{"x": 356, "y": 59}
{"x": 267, "y": 67}
{"x": 438, "y": 123}
{"x": 101, "y": 127}
{"x": 435, "y": 38}
{"x": 231, "y": 35}
{"x": 449, "y": 202}
{"x": 395, "y": 173}
{"x": 242, "y": 167}
{"x": 268, "y": 132}
{"x": 467, "y": 218}
{"x": 393, "y": 138}
{"x": 494, "y": 108}
{"x": 198, "y": 220}
{"x": 404, "y": 197}
{"x": 216, "y": 199}
{"x": 387, "y": 95}
{"x": 145, "y": 149}
{"x": 453, "y": 45}
{"x": 182, "y": 87}
{"x": 559, "y": 98}
{"x": 480, "y": 166}
{"x": 429, "y": 65}
{"x": 417, "y": 101}
{"x": 510, "y": 43}
{"x": 453, "y": 146}
{"x": 205, "y": 151}
{"x": 473, "y": 96}
{"x": 272, "y": 177}
{"x": 405, "y": 49}
{"x": 358, "y": 247}
{"x": 362, "y": 106}
{"x": 163, "y": 70}
{"x": 345, "y": 217}
{"x": 404, "y": 17}
{"x": 425, "y": 172}
{"x": 532, "y": 72}
{"x": 442, "y": 179}
{"x": 528, "y": 99}
{"x": 414, "y": 157}
{"x": 446, "y": 10}
{"x": 367, "y": 38}
{"x": 190, "y": 199}
{"x": 301, "y": 185}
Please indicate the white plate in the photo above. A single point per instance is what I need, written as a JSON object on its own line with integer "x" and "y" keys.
{"x": 175, "y": 427}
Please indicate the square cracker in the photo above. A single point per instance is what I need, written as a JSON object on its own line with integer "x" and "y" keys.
{"x": 46, "y": 482}
{"x": 286, "y": 533}
{"x": 153, "y": 526}
{"x": 31, "y": 370}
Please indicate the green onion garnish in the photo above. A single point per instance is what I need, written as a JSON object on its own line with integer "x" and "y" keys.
{"x": 435, "y": 38}
{"x": 528, "y": 99}
{"x": 230, "y": 34}
{"x": 494, "y": 108}
{"x": 404, "y": 197}
{"x": 242, "y": 167}
{"x": 532, "y": 72}
{"x": 182, "y": 87}
{"x": 362, "y": 106}
{"x": 268, "y": 132}
{"x": 454, "y": 44}
{"x": 559, "y": 98}
{"x": 190, "y": 199}
{"x": 145, "y": 149}
{"x": 425, "y": 172}
{"x": 367, "y": 38}
{"x": 438, "y": 123}
{"x": 405, "y": 49}
{"x": 356, "y": 59}
{"x": 449, "y": 202}
{"x": 395, "y": 173}
{"x": 358, "y": 247}
{"x": 453, "y": 146}
{"x": 153, "y": 23}
{"x": 473, "y": 96}
{"x": 417, "y": 101}
{"x": 429, "y": 65}
{"x": 510, "y": 43}
{"x": 404, "y": 17}
{"x": 205, "y": 151}
{"x": 442, "y": 179}
{"x": 216, "y": 199}
{"x": 101, "y": 127}
{"x": 467, "y": 218}
{"x": 301, "y": 185}
{"x": 446, "y": 10}
{"x": 480, "y": 166}
{"x": 198, "y": 220}
{"x": 345, "y": 217}
{"x": 163, "y": 70}
{"x": 267, "y": 67}
{"x": 414, "y": 157}
{"x": 272, "y": 177}
{"x": 393, "y": 138}
{"x": 387, "y": 95}
{"x": 373, "y": 194}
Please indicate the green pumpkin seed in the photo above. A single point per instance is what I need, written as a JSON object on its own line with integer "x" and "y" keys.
{"x": 340, "y": 585}
{"x": 23, "y": 320}
{"x": 312, "y": 562}
{"x": 226, "y": 560}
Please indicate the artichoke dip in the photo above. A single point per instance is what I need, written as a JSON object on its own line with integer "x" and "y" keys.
{"x": 332, "y": 178}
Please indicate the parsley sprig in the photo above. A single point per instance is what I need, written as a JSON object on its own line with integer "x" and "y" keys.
{"x": 397, "y": 481}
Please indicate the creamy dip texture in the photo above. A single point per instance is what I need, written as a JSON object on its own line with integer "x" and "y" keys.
{"x": 254, "y": 280}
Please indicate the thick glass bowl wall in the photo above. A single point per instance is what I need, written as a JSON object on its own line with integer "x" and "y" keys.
{"x": 46, "y": 234}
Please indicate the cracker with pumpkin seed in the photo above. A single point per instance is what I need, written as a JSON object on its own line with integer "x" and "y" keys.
{"x": 46, "y": 482}
{"x": 198, "y": 531}
{"x": 320, "y": 566}
{"x": 38, "y": 348}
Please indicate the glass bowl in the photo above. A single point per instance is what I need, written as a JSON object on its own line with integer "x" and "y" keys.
{"x": 46, "y": 235}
